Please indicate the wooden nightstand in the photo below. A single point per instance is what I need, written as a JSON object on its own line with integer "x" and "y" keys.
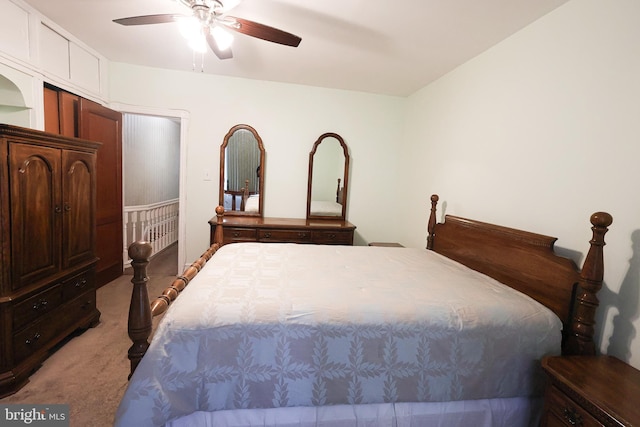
{"x": 385, "y": 244}
{"x": 590, "y": 391}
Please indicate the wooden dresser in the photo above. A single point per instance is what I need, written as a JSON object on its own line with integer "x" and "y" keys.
{"x": 590, "y": 391}
{"x": 47, "y": 235}
{"x": 284, "y": 230}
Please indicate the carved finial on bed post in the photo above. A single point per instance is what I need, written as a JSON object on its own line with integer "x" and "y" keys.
{"x": 580, "y": 339}
{"x": 432, "y": 221}
{"x": 218, "y": 237}
{"x": 139, "y": 326}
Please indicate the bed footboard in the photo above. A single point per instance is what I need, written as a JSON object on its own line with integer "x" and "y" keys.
{"x": 141, "y": 312}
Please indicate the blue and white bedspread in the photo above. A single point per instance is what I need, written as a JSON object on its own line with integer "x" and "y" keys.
{"x": 280, "y": 325}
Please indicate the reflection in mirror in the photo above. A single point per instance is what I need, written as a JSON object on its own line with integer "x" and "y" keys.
{"x": 328, "y": 178}
{"x": 242, "y": 172}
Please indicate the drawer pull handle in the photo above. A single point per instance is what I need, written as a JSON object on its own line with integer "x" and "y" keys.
{"x": 236, "y": 234}
{"x": 267, "y": 235}
{"x": 33, "y": 339}
{"x": 302, "y": 235}
{"x": 40, "y": 305}
{"x": 86, "y": 305}
{"x": 332, "y": 235}
{"x": 81, "y": 283}
{"x": 572, "y": 416}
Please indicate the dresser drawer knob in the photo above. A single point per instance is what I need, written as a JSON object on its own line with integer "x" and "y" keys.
{"x": 332, "y": 235}
{"x": 302, "y": 235}
{"x": 236, "y": 234}
{"x": 267, "y": 235}
{"x": 572, "y": 417}
{"x": 81, "y": 283}
{"x": 41, "y": 304}
{"x": 33, "y": 339}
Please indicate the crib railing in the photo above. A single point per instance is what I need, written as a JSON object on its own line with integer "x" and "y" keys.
{"x": 156, "y": 223}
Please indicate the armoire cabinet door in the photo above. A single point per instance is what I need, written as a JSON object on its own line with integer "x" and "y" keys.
{"x": 36, "y": 212}
{"x": 78, "y": 182}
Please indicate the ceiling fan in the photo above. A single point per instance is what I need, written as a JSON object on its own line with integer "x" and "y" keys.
{"x": 208, "y": 20}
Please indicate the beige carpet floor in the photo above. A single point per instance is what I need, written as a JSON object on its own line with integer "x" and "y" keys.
{"x": 89, "y": 370}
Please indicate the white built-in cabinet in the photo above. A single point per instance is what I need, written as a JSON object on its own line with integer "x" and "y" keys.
{"x": 31, "y": 44}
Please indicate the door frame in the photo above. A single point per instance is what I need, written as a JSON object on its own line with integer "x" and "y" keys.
{"x": 184, "y": 122}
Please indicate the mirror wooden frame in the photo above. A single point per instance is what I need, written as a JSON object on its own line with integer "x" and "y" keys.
{"x": 223, "y": 147}
{"x": 345, "y": 177}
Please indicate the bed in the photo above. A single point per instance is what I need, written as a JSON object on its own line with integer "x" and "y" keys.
{"x": 285, "y": 334}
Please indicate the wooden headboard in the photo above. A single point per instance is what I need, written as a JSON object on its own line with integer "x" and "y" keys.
{"x": 527, "y": 262}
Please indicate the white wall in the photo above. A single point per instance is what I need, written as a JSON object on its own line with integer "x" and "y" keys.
{"x": 538, "y": 133}
{"x": 289, "y": 119}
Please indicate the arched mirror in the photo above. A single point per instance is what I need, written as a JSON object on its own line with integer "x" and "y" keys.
{"x": 242, "y": 172}
{"x": 328, "y": 178}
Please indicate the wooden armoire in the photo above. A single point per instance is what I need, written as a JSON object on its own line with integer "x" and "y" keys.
{"x": 47, "y": 246}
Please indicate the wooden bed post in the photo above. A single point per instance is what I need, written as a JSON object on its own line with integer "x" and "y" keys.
{"x": 139, "y": 326}
{"x": 218, "y": 237}
{"x": 141, "y": 312}
{"x": 432, "y": 221}
{"x": 580, "y": 338}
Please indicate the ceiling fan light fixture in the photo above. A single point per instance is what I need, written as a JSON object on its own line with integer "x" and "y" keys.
{"x": 198, "y": 44}
{"x": 223, "y": 38}
{"x": 191, "y": 30}
{"x": 189, "y": 27}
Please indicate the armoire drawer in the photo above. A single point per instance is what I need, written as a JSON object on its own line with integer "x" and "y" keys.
{"x": 38, "y": 334}
{"x": 288, "y": 236}
{"x": 36, "y": 306}
{"x": 42, "y": 331}
{"x": 78, "y": 284}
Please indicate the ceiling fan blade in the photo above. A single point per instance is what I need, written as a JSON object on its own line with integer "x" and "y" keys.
{"x": 261, "y": 31}
{"x": 221, "y": 54}
{"x": 148, "y": 19}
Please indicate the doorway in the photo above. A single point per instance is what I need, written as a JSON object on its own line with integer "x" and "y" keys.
{"x": 151, "y": 185}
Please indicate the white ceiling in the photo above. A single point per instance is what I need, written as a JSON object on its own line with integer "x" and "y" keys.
{"x": 392, "y": 48}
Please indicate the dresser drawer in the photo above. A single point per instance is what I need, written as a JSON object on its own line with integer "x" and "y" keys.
{"x": 561, "y": 410}
{"x": 36, "y": 306}
{"x": 78, "y": 284}
{"x": 232, "y": 234}
{"x": 332, "y": 237}
{"x": 286, "y": 236}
